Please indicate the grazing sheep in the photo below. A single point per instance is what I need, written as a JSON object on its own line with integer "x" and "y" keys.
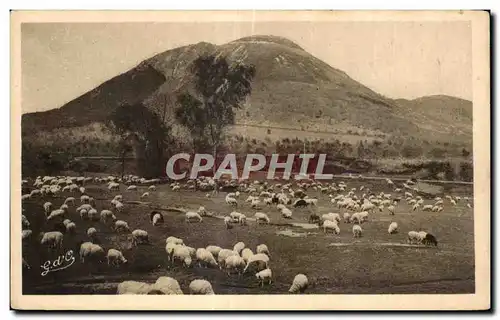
{"x": 93, "y": 215}
{"x": 255, "y": 204}
{"x": 391, "y": 209}
{"x": 167, "y": 285}
{"x": 393, "y": 228}
{"x": 192, "y": 215}
{"x": 335, "y": 217}
{"x": 52, "y": 239}
{"x": 427, "y": 207}
{"x": 132, "y": 188}
{"x": 70, "y": 226}
{"x": 70, "y": 200}
{"x": 228, "y": 222}
{"x": 238, "y": 217}
{"x": 214, "y": 250}
{"x": 107, "y": 216}
{"x": 246, "y": 254}
{"x": 238, "y": 247}
{"x": 24, "y": 222}
{"x": 260, "y": 258}
{"x": 169, "y": 248}
{"x": 231, "y": 201}
{"x": 430, "y": 239}
{"x": 85, "y": 199}
{"x": 133, "y": 287}
{"x": 260, "y": 216}
{"x": 234, "y": 262}
{"x": 347, "y": 217}
{"x": 55, "y": 214}
{"x": 414, "y": 237}
{"x": 139, "y": 237}
{"x": 286, "y": 213}
{"x": 152, "y": 188}
{"x": 222, "y": 256}
{"x": 175, "y": 240}
{"x": 156, "y": 218}
{"x": 313, "y": 218}
{"x": 88, "y": 250}
{"x": 264, "y": 275}
{"x": 182, "y": 253}
{"x": 206, "y": 258}
{"x": 115, "y": 257}
{"x": 47, "y": 207}
{"x": 332, "y": 225}
{"x": 92, "y": 233}
{"x": 357, "y": 231}
{"x": 299, "y": 284}
{"x": 121, "y": 226}
{"x": 200, "y": 286}
{"x": 145, "y": 195}
{"x": 26, "y": 234}
{"x": 262, "y": 248}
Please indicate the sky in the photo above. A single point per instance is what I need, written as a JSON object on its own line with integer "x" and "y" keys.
{"x": 61, "y": 61}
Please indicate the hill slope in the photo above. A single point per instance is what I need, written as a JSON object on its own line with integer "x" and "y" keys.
{"x": 292, "y": 89}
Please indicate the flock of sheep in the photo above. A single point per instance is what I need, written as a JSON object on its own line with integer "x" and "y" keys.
{"x": 358, "y": 206}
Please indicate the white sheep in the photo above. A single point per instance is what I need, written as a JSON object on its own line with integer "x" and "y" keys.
{"x": 169, "y": 248}
{"x": 157, "y": 219}
{"x": 427, "y": 207}
{"x": 115, "y": 257}
{"x": 152, "y": 188}
{"x": 92, "y": 233}
{"x": 121, "y": 226}
{"x": 393, "y": 228}
{"x": 238, "y": 217}
{"x": 259, "y": 257}
{"x": 133, "y": 287}
{"x": 24, "y": 222}
{"x": 347, "y": 217}
{"x": 59, "y": 213}
{"x": 234, "y": 262}
{"x": 192, "y": 215}
{"x": 332, "y": 225}
{"x": 205, "y": 257}
{"x": 264, "y": 275}
{"x": 107, "y": 215}
{"x": 90, "y": 250}
{"x": 139, "y": 236}
{"x": 231, "y": 201}
{"x": 246, "y": 254}
{"x": 145, "y": 195}
{"x": 335, "y": 217}
{"x": 47, "y": 207}
{"x": 238, "y": 247}
{"x": 70, "y": 200}
{"x": 181, "y": 253}
{"x": 223, "y": 254}
{"x": 175, "y": 240}
{"x": 286, "y": 213}
{"x": 200, "y": 286}
{"x": 214, "y": 250}
{"x": 299, "y": 284}
{"x": 228, "y": 222}
{"x": 85, "y": 199}
{"x": 262, "y": 248}
{"x": 52, "y": 239}
{"x": 166, "y": 285}
{"x": 260, "y": 216}
{"x": 255, "y": 203}
{"x": 70, "y": 226}
{"x": 93, "y": 215}
{"x": 132, "y": 188}
{"x": 26, "y": 234}
{"x": 415, "y": 237}
{"x": 357, "y": 231}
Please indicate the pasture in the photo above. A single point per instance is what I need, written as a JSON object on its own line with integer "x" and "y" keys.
{"x": 377, "y": 262}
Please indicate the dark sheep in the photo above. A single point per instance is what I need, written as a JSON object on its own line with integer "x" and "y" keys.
{"x": 430, "y": 239}
{"x": 300, "y": 203}
{"x": 314, "y": 218}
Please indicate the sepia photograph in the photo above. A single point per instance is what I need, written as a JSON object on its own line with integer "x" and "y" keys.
{"x": 252, "y": 156}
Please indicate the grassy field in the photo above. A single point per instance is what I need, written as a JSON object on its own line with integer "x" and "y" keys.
{"x": 375, "y": 263}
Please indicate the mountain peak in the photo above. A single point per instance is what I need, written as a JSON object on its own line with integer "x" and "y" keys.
{"x": 270, "y": 39}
